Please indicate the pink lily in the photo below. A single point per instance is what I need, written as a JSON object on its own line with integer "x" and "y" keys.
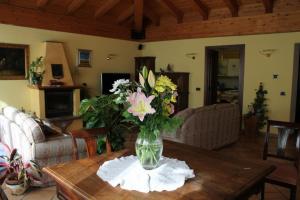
{"x": 140, "y": 104}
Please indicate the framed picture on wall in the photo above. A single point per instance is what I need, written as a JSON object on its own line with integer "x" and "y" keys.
{"x": 14, "y": 60}
{"x": 84, "y": 58}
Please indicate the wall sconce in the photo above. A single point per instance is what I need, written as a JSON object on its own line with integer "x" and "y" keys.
{"x": 267, "y": 52}
{"x": 111, "y": 56}
{"x": 191, "y": 55}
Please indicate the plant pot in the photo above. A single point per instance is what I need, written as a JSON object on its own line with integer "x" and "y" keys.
{"x": 16, "y": 188}
{"x": 36, "y": 80}
{"x": 251, "y": 127}
{"x": 149, "y": 150}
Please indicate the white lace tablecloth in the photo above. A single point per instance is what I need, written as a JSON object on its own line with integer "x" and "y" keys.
{"x": 130, "y": 175}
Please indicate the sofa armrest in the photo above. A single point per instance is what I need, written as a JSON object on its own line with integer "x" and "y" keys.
{"x": 56, "y": 148}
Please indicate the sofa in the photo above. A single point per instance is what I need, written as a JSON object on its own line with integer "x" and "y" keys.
{"x": 209, "y": 127}
{"x": 19, "y": 130}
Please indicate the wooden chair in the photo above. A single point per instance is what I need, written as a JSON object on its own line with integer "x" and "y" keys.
{"x": 90, "y": 137}
{"x": 285, "y": 159}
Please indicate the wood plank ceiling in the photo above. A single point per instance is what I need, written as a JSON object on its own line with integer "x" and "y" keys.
{"x": 159, "y": 19}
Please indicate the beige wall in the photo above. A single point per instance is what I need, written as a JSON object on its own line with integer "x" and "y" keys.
{"x": 15, "y": 93}
{"x": 258, "y": 68}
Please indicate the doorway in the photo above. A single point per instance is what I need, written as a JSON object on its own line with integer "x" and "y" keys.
{"x": 224, "y": 74}
{"x": 295, "y": 105}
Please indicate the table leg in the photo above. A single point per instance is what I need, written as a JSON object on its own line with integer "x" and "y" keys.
{"x": 262, "y": 192}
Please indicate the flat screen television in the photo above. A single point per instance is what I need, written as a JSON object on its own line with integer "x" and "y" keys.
{"x": 107, "y": 80}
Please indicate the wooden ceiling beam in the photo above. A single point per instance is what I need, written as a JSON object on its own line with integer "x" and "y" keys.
{"x": 129, "y": 21}
{"x": 244, "y": 25}
{"x": 175, "y": 11}
{"x": 150, "y": 14}
{"x": 268, "y": 5}
{"x": 74, "y": 6}
{"x": 203, "y": 9}
{"x": 233, "y": 7}
{"x": 138, "y": 15}
{"x": 10, "y": 14}
{"x": 42, "y": 3}
{"x": 105, "y": 8}
{"x": 125, "y": 14}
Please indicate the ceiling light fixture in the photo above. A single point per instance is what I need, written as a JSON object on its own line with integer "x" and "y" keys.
{"x": 267, "y": 52}
{"x": 191, "y": 55}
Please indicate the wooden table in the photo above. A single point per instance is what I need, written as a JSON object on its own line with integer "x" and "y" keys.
{"x": 217, "y": 177}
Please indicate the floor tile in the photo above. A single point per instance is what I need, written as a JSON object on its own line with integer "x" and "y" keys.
{"x": 13, "y": 197}
{"x": 55, "y": 198}
{"x": 39, "y": 194}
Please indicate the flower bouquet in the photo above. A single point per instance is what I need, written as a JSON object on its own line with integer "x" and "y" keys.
{"x": 148, "y": 105}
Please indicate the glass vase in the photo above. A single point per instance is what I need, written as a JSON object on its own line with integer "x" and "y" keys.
{"x": 149, "y": 151}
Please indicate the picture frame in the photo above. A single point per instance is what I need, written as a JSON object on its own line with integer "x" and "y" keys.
{"x": 84, "y": 58}
{"x": 14, "y": 61}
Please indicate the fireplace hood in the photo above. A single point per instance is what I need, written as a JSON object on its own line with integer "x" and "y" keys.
{"x": 57, "y": 71}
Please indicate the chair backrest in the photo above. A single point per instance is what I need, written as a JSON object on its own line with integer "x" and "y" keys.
{"x": 287, "y": 144}
{"x": 90, "y": 136}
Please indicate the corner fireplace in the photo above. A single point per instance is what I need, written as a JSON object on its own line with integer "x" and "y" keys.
{"x": 58, "y": 103}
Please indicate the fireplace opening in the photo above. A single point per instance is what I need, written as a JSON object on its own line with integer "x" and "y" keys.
{"x": 58, "y": 103}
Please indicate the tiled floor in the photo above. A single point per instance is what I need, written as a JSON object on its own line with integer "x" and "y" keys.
{"x": 247, "y": 147}
{"x": 34, "y": 194}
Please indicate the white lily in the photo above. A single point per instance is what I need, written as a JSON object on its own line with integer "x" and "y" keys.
{"x": 142, "y": 80}
{"x": 151, "y": 79}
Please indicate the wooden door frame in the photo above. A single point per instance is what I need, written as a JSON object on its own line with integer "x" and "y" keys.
{"x": 241, "y": 47}
{"x": 295, "y": 82}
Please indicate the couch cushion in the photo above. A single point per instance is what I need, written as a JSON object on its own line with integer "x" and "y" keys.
{"x": 20, "y": 117}
{"x": 30, "y": 127}
{"x": 184, "y": 114}
{"x": 5, "y": 128}
{"x": 10, "y": 112}
{"x": 199, "y": 129}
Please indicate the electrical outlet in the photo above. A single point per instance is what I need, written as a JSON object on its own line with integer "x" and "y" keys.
{"x": 275, "y": 76}
{"x": 282, "y": 93}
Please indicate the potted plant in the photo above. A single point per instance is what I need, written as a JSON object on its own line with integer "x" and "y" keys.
{"x": 19, "y": 175}
{"x": 36, "y": 72}
{"x": 148, "y": 105}
{"x": 256, "y": 117}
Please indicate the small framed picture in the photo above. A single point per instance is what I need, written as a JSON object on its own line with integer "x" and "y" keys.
{"x": 84, "y": 58}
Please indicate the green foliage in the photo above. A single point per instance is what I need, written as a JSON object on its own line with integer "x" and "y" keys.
{"x": 259, "y": 107}
{"x": 35, "y": 72}
{"x": 100, "y": 112}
